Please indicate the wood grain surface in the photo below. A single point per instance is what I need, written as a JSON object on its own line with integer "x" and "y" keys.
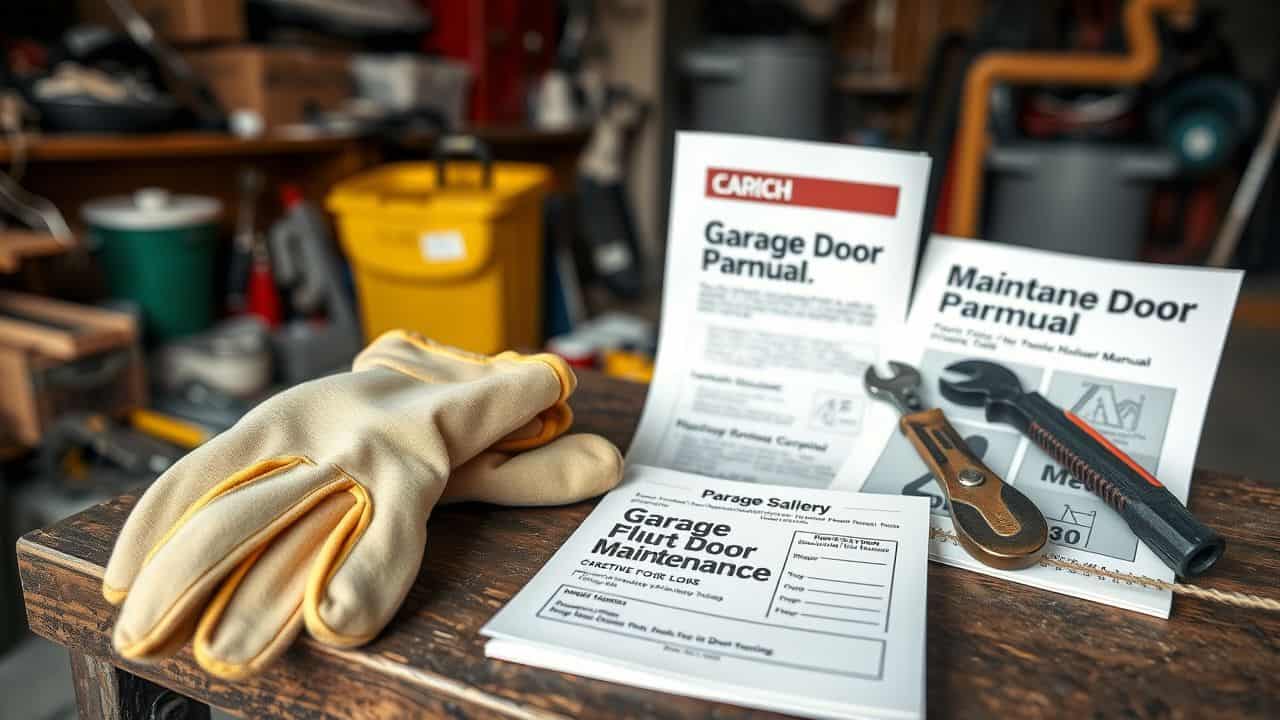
{"x": 994, "y": 648}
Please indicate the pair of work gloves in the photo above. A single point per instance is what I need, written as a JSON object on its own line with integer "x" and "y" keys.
{"x": 312, "y": 510}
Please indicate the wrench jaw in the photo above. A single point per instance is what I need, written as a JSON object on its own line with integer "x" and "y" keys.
{"x": 899, "y": 389}
{"x": 983, "y": 384}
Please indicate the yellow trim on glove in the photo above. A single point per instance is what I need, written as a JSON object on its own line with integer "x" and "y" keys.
{"x": 164, "y": 627}
{"x": 213, "y": 614}
{"x": 257, "y": 471}
{"x": 341, "y": 541}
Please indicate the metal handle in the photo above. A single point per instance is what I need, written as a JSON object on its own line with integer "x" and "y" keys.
{"x": 1166, "y": 526}
{"x": 459, "y": 147}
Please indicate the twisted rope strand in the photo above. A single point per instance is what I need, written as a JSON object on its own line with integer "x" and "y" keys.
{"x": 1224, "y": 597}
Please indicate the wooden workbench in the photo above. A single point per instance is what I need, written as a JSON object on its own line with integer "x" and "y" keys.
{"x": 994, "y": 648}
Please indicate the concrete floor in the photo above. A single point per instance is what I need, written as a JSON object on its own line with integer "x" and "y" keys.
{"x": 35, "y": 683}
{"x": 35, "y": 680}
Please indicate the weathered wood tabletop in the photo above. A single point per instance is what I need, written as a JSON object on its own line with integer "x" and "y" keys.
{"x": 994, "y": 648}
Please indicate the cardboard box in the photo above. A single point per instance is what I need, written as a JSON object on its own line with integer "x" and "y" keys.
{"x": 179, "y": 21}
{"x": 279, "y": 83}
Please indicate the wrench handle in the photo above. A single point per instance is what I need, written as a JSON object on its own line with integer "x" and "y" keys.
{"x": 1152, "y": 512}
{"x": 995, "y": 523}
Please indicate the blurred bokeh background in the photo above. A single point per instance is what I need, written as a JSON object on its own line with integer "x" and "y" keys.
{"x": 204, "y": 201}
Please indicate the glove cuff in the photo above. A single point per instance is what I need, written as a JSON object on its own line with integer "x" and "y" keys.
{"x": 431, "y": 362}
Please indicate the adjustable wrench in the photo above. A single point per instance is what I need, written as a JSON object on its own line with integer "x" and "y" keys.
{"x": 1152, "y": 512}
{"x": 994, "y": 522}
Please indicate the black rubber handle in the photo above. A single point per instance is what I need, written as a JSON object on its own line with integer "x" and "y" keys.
{"x": 1152, "y": 512}
{"x": 463, "y": 147}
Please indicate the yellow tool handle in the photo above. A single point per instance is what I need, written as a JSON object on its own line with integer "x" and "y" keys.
{"x": 170, "y": 429}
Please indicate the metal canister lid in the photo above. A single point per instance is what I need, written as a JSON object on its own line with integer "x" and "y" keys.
{"x": 151, "y": 209}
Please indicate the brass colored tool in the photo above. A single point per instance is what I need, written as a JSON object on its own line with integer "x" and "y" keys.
{"x": 994, "y": 522}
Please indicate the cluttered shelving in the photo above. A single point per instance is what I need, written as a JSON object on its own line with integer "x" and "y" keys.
{"x": 113, "y": 164}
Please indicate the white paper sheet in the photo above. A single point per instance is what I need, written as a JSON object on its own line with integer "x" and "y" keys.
{"x": 802, "y": 601}
{"x": 1143, "y": 382}
{"x": 763, "y": 346}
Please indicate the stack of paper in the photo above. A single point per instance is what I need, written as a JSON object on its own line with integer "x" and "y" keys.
{"x": 807, "y": 602}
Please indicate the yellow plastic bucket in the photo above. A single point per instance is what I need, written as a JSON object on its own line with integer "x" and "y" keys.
{"x": 453, "y": 251}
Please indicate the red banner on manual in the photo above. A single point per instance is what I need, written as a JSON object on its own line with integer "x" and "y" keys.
{"x": 842, "y": 195}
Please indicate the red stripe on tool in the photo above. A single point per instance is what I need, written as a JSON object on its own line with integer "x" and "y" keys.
{"x": 1114, "y": 450}
{"x": 844, "y": 195}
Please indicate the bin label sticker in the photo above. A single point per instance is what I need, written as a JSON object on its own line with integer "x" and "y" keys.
{"x": 442, "y": 246}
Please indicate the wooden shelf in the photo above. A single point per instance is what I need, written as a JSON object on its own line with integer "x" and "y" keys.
{"x": 55, "y": 148}
{"x": 18, "y": 245}
{"x": 71, "y": 170}
{"x": 78, "y": 148}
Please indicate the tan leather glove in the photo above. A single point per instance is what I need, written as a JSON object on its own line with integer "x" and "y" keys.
{"x": 313, "y": 508}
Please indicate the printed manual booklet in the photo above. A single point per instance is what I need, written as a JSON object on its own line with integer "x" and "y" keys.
{"x": 1130, "y": 347}
{"x": 809, "y": 602}
{"x": 787, "y": 262}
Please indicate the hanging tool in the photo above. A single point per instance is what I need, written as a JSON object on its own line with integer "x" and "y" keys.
{"x": 249, "y": 182}
{"x": 994, "y": 522}
{"x": 323, "y": 334}
{"x": 1152, "y": 512}
{"x": 34, "y": 211}
{"x": 605, "y": 215}
{"x": 186, "y": 83}
{"x": 1242, "y": 203}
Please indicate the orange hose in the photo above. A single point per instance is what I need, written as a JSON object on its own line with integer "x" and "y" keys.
{"x": 1027, "y": 68}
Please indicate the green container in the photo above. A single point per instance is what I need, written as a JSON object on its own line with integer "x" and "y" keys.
{"x": 158, "y": 250}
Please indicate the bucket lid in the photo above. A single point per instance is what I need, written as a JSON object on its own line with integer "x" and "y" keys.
{"x": 151, "y": 209}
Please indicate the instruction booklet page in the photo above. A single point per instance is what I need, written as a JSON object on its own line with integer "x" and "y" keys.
{"x": 786, "y": 261}
{"x": 1131, "y": 348}
{"x": 809, "y": 602}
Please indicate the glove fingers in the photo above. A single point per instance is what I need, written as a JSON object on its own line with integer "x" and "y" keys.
{"x": 257, "y": 612}
{"x": 366, "y": 568}
{"x": 169, "y": 496}
{"x": 207, "y": 543}
{"x": 476, "y": 401}
{"x": 542, "y": 429}
{"x": 572, "y": 468}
